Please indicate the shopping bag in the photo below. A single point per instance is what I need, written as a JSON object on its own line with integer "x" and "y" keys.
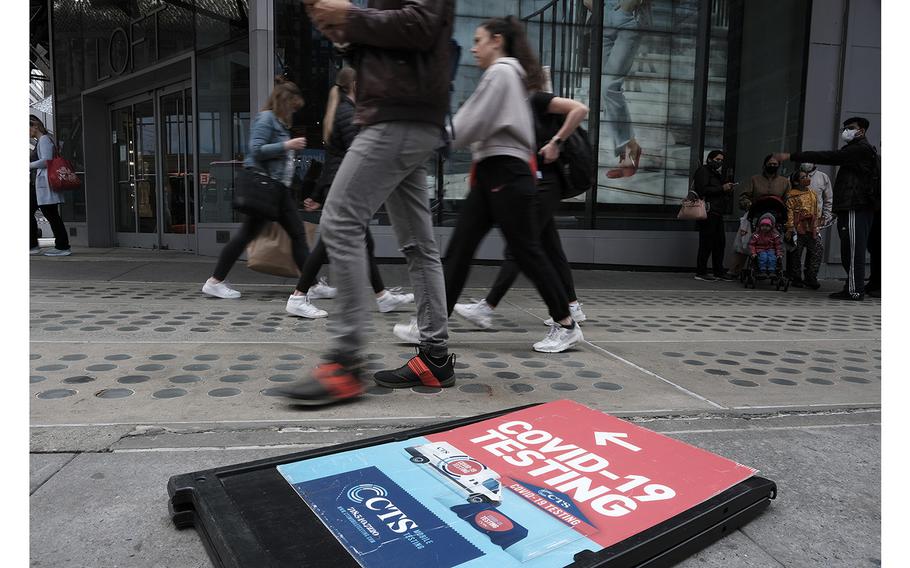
{"x": 743, "y": 236}
{"x": 61, "y": 175}
{"x": 270, "y": 252}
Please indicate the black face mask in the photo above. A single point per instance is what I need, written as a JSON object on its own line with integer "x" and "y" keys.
{"x": 771, "y": 170}
{"x": 714, "y": 165}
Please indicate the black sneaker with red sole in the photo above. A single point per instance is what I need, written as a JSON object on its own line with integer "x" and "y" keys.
{"x": 329, "y": 383}
{"x": 419, "y": 371}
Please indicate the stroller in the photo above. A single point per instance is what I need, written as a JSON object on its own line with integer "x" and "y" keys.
{"x": 774, "y": 206}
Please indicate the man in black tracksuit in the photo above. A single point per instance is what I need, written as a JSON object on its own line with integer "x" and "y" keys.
{"x": 856, "y": 198}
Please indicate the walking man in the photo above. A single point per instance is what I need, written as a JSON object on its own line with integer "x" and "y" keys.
{"x": 401, "y": 56}
{"x": 855, "y": 198}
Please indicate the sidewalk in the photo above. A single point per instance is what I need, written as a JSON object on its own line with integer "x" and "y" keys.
{"x": 137, "y": 376}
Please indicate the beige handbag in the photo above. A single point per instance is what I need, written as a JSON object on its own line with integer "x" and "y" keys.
{"x": 692, "y": 208}
{"x": 270, "y": 252}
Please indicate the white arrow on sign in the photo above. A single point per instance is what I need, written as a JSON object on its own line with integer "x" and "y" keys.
{"x": 601, "y": 439}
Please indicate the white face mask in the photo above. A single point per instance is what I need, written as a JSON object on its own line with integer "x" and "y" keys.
{"x": 848, "y": 135}
{"x": 808, "y": 168}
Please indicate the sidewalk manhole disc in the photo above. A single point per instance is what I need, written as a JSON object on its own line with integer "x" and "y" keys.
{"x": 56, "y": 393}
{"x": 497, "y": 364}
{"x": 206, "y": 357}
{"x": 858, "y": 380}
{"x": 718, "y": 372}
{"x": 51, "y": 368}
{"x": 102, "y": 367}
{"x": 575, "y": 364}
{"x": 521, "y": 388}
{"x": 222, "y": 393}
{"x": 234, "y": 379}
{"x": 785, "y": 382}
{"x": 281, "y": 378}
{"x": 183, "y": 379}
{"x": 507, "y": 375}
{"x": 117, "y": 357}
{"x": 548, "y": 375}
{"x": 608, "y": 386}
{"x": 815, "y": 381}
{"x": 132, "y": 379}
{"x": 162, "y": 357}
{"x": 80, "y": 380}
{"x": 426, "y": 390}
{"x": 114, "y": 393}
{"x": 199, "y": 367}
{"x": 563, "y": 387}
{"x": 169, "y": 393}
{"x": 36, "y": 379}
{"x": 150, "y": 367}
{"x": 742, "y": 383}
{"x": 248, "y": 357}
{"x": 295, "y": 357}
{"x": 750, "y": 371}
{"x": 270, "y": 392}
{"x": 74, "y": 357}
{"x": 534, "y": 364}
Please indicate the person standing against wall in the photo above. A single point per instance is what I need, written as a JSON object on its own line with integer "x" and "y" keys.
{"x": 708, "y": 183}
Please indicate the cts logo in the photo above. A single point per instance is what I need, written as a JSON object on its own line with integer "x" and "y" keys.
{"x": 375, "y": 498}
{"x": 549, "y": 495}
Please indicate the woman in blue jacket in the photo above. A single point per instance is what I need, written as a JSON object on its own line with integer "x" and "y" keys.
{"x": 41, "y": 195}
{"x": 272, "y": 149}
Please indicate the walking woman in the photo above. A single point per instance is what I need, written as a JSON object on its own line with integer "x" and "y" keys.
{"x": 272, "y": 149}
{"x": 497, "y": 122}
{"x": 555, "y": 119}
{"x": 41, "y": 196}
{"x": 338, "y": 131}
{"x": 708, "y": 183}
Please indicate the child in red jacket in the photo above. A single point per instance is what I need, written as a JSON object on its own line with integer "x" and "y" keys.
{"x": 766, "y": 245}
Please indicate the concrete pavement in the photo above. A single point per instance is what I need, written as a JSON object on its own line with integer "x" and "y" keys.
{"x": 136, "y": 376}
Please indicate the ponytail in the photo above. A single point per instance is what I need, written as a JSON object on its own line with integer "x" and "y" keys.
{"x": 343, "y": 83}
{"x": 515, "y": 44}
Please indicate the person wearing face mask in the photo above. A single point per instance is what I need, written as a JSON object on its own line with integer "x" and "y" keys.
{"x": 856, "y": 198}
{"x": 766, "y": 183}
{"x": 803, "y": 222}
{"x": 708, "y": 183}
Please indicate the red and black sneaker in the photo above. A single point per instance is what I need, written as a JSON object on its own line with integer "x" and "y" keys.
{"x": 420, "y": 370}
{"x": 329, "y": 383}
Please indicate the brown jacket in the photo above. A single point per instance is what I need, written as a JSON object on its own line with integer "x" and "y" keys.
{"x": 759, "y": 186}
{"x": 401, "y": 55}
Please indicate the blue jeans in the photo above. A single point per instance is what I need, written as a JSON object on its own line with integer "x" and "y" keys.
{"x": 767, "y": 261}
{"x": 620, "y": 46}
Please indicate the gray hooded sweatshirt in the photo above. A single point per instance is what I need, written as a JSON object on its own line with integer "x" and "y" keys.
{"x": 496, "y": 120}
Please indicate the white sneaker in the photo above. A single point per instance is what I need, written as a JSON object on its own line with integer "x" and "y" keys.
{"x": 574, "y": 311}
{"x": 479, "y": 313}
{"x": 322, "y": 291}
{"x": 220, "y": 290}
{"x": 301, "y": 306}
{"x": 57, "y": 252}
{"x": 34, "y": 251}
{"x": 409, "y": 333}
{"x": 392, "y": 299}
{"x": 559, "y": 339}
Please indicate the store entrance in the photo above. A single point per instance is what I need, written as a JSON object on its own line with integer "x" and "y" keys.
{"x": 153, "y": 170}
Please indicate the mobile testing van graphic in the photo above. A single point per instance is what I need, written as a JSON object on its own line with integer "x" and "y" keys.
{"x": 467, "y": 476}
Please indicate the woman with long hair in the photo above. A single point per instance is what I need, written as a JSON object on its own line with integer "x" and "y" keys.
{"x": 41, "y": 195}
{"x": 338, "y": 131}
{"x": 498, "y": 124}
{"x": 272, "y": 149}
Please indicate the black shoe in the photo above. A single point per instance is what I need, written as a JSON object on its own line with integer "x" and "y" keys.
{"x": 812, "y": 284}
{"x": 726, "y": 277}
{"x": 329, "y": 383}
{"x": 844, "y": 295}
{"x": 420, "y": 370}
{"x": 705, "y": 278}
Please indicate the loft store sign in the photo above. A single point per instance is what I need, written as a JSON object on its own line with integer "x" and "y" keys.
{"x": 122, "y": 43}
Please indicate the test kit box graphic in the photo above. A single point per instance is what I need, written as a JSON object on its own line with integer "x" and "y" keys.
{"x": 529, "y": 488}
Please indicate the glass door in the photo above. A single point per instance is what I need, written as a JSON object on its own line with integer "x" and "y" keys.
{"x": 135, "y": 160}
{"x": 178, "y": 204}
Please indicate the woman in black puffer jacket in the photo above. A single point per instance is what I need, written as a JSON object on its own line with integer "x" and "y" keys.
{"x": 339, "y": 131}
{"x": 709, "y": 185}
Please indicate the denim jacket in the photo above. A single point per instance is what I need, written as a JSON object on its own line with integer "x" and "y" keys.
{"x": 267, "y": 138}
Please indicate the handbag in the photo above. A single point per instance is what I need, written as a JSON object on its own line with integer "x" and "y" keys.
{"x": 692, "y": 208}
{"x": 257, "y": 194}
{"x": 270, "y": 252}
{"x": 61, "y": 175}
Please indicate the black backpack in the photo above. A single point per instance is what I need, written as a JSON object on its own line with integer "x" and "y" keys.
{"x": 576, "y": 164}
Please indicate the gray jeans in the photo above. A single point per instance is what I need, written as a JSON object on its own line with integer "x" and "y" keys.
{"x": 620, "y": 46}
{"x": 385, "y": 163}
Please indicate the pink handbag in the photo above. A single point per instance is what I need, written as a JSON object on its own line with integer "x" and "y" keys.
{"x": 692, "y": 208}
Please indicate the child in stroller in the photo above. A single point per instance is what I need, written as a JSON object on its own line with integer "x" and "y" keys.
{"x": 766, "y": 249}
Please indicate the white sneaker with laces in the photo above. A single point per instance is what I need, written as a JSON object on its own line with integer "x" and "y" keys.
{"x": 322, "y": 291}
{"x": 574, "y": 311}
{"x": 220, "y": 290}
{"x": 301, "y": 306}
{"x": 558, "y": 339}
{"x": 479, "y": 313}
{"x": 57, "y": 252}
{"x": 392, "y": 299}
{"x": 409, "y": 333}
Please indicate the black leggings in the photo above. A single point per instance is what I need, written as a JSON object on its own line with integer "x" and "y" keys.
{"x": 549, "y": 192}
{"x": 503, "y": 192}
{"x": 251, "y": 228}
{"x": 711, "y": 242}
{"x": 318, "y": 257}
{"x": 52, "y": 214}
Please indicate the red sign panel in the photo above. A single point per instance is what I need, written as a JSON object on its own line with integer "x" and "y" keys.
{"x": 618, "y": 478}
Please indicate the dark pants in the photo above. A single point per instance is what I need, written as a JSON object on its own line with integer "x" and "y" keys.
{"x": 853, "y": 227}
{"x": 504, "y": 193}
{"x": 814, "y": 250}
{"x": 875, "y": 253}
{"x": 548, "y": 190}
{"x": 319, "y": 256}
{"x": 52, "y": 214}
{"x": 251, "y": 228}
{"x": 711, "y": 242}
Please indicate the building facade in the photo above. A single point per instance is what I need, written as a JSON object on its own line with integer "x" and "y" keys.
{"x": 153, "y": 101}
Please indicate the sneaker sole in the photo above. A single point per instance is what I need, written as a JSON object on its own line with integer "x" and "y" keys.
{"x": 450, "y": 382}
{"x": 308, "y": 316}
{"x": 222, "y": 297}
{"x": 391, "y": 309}
{"x": 408, "y": 340}
{"x": 570, "y": 345}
